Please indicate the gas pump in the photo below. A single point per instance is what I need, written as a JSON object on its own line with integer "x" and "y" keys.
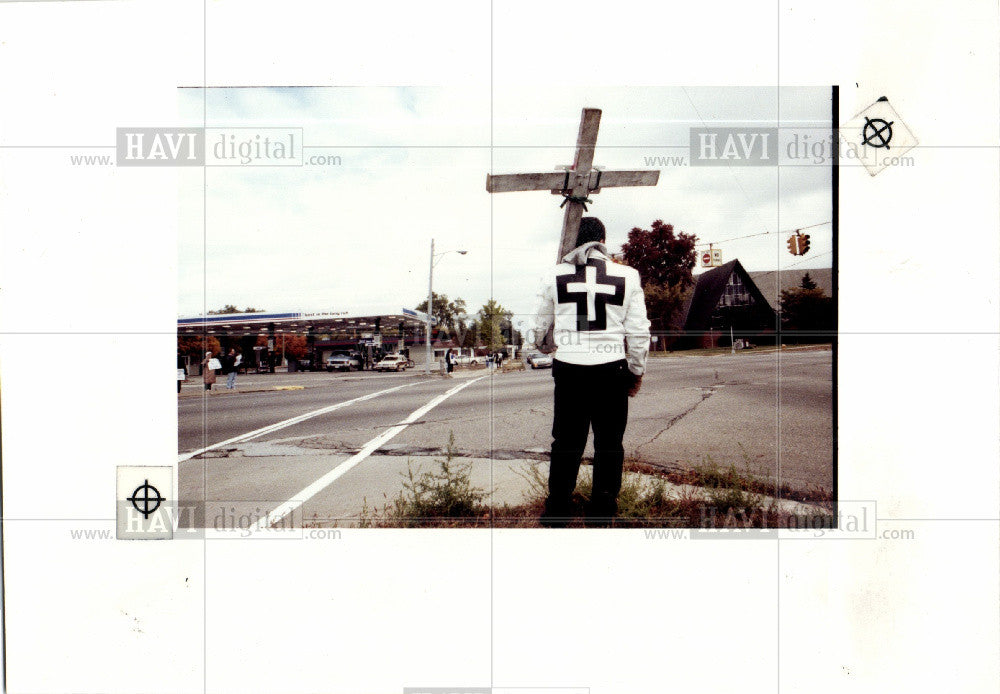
{"x": 365, "y": 354}
{"x": 270, "y": 347}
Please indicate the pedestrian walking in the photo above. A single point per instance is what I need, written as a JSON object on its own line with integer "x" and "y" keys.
{"x": 600, "y": 336}
{"x": 449, "y": 361}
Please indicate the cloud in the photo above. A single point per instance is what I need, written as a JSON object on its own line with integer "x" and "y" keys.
{"x": 413, "y": 163}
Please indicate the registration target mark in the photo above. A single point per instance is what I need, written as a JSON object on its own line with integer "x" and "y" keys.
{"x": 146, "y": 502}
{"x": 877, "y": 132}
{"x": 866, "y": 138}
{"x": 149, "y": 501}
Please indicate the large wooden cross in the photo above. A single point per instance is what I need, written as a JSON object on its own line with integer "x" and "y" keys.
{"x": 574, "y": 182}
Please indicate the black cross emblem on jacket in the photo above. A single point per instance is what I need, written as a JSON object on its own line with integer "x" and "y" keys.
{"x": 591, "y": 289}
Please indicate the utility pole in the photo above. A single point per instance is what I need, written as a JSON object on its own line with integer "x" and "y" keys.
{"x": 430, "y": 310}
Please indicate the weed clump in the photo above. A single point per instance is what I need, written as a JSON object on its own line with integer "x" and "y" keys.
{"x": 704, "y": 496}
{"x": 443, "y": 495}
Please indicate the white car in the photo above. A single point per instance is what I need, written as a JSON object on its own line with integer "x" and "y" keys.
{"x": 392, "y": 362}
{"x": 343, "y": 361}
{"x": 537, "y": 360}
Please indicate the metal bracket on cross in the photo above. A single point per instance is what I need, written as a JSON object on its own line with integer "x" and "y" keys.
{"x": 575, "y": 182}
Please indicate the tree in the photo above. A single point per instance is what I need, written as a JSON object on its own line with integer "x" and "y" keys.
{"x": 229, "y": 308}
{"x": 295, "y": 346}
{"x": 661, "y": 256}
{"x": 807, "y": 315}
{"x": 468, "y": 337}
{"x": 493, "y": 318}
{"x": 195, "y": 346}
{"x": 663, "y": 302}
{"x": 664, "y": 261}
{"x": 807, "y": 282}
{"x": 446, "y": 312}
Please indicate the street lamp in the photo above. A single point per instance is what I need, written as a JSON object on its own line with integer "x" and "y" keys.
{"x": 430, "y": 303}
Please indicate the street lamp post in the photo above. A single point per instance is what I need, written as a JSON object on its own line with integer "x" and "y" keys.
{"x": 430, "y": 305}
{"x": 430, "y": 310}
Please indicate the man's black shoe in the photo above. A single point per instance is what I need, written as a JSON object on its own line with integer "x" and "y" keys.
{"x": 555, "y": 516}
{"x": 553, "y": 522}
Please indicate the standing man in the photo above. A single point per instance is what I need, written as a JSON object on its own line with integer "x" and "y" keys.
{"x": 181, "y": 370}
{"x": 596, "y": 312}
{"x": 232, "y": 363}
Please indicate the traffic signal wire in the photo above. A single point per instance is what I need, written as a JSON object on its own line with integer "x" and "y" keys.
{"x": 763, "y": 233}
{"x": 785, "y": 267}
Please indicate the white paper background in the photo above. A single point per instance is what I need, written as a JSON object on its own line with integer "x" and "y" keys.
{"x": 89, "y": 281}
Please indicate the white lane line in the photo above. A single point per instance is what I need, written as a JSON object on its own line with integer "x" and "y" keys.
{"x": 289, "y": 422}
{"x": 326, "y": 480}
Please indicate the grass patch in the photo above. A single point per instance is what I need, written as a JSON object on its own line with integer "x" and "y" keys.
{"x": 748, "y": 479}
{"x": 711, "y": 497}
{"x": 726, "y": 500}
{"x": 443, "y": 496}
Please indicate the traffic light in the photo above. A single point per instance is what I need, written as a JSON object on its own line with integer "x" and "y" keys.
{"x": 804, "y": 244}
{"x": 793, "y": 245}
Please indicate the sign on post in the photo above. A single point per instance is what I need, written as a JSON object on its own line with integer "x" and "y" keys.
{"x": 712, "y": 257}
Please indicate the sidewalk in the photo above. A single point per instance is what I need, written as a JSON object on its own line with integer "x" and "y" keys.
{"x": 378, "y": 480}
{"x": 261, "y": 383}
{"x": 716, "y": 351}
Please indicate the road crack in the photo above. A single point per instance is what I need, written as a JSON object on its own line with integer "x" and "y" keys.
{"x": 706, "y": 393}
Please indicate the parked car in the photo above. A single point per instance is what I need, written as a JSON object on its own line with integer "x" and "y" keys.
{"x": 537, "y": 360}
{"x": 466, "y": 360}
{"x": 392, "y": 362}
{"x": 305, "y": 364}
{"x": 343, "y": 361}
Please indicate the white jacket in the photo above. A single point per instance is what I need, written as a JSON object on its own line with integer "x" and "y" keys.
{"x": 596, "y": 310}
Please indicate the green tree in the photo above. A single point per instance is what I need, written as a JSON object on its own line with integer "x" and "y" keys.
{"x": 493, "y": 318}
{"x": 229, "y": 308}
{"x": 807, "y": 282}
{"x": 807, "y": 315}
{"x": 446, "y": 312}
{"x": 469, "y": 337}
{"x": 663, "y": 304}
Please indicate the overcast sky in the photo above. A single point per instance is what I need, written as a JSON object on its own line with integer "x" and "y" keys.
{"x": 356, "y": 236}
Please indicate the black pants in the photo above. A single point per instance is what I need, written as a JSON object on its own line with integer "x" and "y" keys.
{"x": 585, "y": 397}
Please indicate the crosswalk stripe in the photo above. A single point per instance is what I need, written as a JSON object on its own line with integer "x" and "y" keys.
{"x": 326, "y": 480}
{"x": 288, "y": 422}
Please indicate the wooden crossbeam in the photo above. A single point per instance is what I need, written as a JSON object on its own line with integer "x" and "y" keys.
{"x": 576, "y": 182}
{"x": 515, "y": 183}
{"x": 623, "y": 179}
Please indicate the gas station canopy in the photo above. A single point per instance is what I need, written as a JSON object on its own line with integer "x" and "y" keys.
{"x": 299, "y": 323}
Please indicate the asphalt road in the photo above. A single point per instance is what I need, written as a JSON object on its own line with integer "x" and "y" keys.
{"x": 769, "y": 413}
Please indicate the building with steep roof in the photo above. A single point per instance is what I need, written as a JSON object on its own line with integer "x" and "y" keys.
{"x": 726, "y": 301}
